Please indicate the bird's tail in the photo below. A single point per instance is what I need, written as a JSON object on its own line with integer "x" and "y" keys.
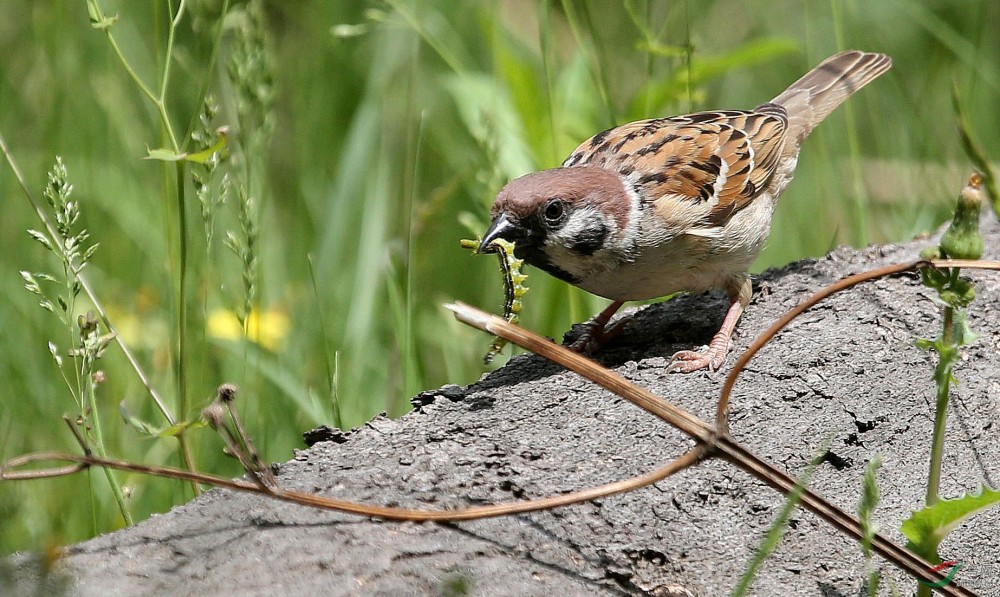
{"x": 811, "y": 99}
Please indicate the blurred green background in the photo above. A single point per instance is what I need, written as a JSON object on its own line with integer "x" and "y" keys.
{"x": 394, "y": 124}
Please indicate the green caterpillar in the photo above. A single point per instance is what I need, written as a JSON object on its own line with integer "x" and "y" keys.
{"x": 513, "y": 282}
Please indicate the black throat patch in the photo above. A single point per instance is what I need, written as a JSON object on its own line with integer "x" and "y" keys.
{"x": 534, "y": 256}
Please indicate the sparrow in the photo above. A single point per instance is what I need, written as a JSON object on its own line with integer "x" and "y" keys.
{"x": 684, "y": 203}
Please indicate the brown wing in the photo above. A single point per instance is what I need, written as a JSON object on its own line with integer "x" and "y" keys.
{"x": 718, "y": 161}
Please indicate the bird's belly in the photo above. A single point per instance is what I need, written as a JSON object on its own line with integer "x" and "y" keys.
{"x": 703, "y": 260}
{"x": 651, "y": 278}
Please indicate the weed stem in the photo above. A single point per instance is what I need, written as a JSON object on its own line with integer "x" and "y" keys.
{"x": 943, "y": 375}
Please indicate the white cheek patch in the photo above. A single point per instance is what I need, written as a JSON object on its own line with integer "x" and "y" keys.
{"x": 584, "y": 245}
{"x": 581, "y": 223}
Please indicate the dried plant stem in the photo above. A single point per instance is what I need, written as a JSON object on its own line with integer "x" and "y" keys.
{"x": 722, "y": 412}
{"x": 641, "y": 397}
{"x": 83, "y": 462}
{"x": 715, "y": 442}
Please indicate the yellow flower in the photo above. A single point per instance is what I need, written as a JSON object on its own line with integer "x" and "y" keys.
{"x": 266, "y": 328}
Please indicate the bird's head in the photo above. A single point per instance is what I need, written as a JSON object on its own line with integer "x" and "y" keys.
{"x": 566, "y": 221}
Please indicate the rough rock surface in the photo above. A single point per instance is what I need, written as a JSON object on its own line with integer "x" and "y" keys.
{"x": 846, "y": 374}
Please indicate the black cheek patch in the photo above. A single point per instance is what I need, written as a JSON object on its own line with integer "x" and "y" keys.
{"x": 590, "y": 240}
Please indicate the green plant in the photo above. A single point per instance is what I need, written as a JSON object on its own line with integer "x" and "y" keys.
{"x": 63, "y": 237}
{"x": 926, "y": 528}
{"x": 778, "y": 527}
{"x": 866, "y": 509}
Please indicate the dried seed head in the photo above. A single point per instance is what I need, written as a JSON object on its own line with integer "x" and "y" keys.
{"x": 214, "y": 415}
{"x": 226, "y": 392}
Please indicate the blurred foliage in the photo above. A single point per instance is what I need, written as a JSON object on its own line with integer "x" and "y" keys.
{"x": 394, "y": 123}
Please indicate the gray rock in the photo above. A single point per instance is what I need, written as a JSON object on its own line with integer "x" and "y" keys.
{"x": 846, "y": 374}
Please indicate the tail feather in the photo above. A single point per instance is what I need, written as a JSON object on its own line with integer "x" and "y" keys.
{"x": 811, "y": 99}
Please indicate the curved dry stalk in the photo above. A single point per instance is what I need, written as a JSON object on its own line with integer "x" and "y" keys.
{"x": 685, "y": 460}
{"x": 711, "y": 440}
{"x": 641, "y": 397}
{"x": 715, "y": 443}
{"x": 906, "y": 560}
{"x": 722, "y": 412}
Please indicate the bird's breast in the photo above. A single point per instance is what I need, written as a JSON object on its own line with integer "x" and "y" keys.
{"x": 694, "y": 260}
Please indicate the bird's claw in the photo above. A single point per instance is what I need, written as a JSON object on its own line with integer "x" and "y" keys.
{"x": 688, "y": 361}
{"x": 596, "y": 335}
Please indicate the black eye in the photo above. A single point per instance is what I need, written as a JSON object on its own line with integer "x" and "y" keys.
{"x": 555, "y": 212}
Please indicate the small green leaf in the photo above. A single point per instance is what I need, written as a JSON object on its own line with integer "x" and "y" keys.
{"x": 203, "y": 156}
{"x": 136, "y": 423}
{"x": 961, "y": 331}
{"x": 97, "y": 18}
{"x": 926, "y": 528}
{"x": 164, "y": 155}
{"x": 179, "y": 428}
{"x": 869, "y": 501}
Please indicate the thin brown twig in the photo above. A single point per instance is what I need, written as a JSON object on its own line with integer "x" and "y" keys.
{"x": 710, "y": 440}
{"x": 79, "y": 436}
{"x": 687, "y": 459}
{"x": 722, "y": 413}
{"x": 48, "y": 473}
{"x": 676, "y": 416}
{"x": 714, "y": 442}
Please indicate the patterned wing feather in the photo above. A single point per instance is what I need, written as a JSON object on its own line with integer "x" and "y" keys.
{"x": 715, "y": 161}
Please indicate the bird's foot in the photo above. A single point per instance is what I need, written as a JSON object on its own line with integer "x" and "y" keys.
{"x": 596, "y": 334}
{"x": 688, "y": 361}
{"x": 712, "y": 358}
{"x": 599, "y": 331}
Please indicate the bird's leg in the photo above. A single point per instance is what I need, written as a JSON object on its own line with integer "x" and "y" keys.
{"x": 597, "y": 332}
{"x": 686, "y": 361}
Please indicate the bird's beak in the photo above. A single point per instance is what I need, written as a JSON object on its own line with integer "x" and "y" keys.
{"x": 501, "y": 228}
